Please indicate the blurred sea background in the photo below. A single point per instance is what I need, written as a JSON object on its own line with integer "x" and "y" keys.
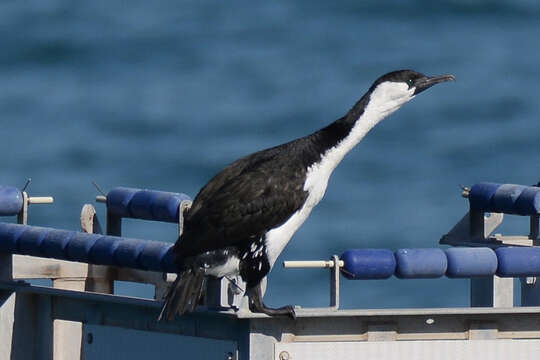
{"x": 162, "y": 95}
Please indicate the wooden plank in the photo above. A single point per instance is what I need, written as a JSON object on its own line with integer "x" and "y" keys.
{"x": 31, "y": 267}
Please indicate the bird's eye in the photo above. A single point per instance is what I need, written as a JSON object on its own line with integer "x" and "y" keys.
{"x": 410, "y": 82}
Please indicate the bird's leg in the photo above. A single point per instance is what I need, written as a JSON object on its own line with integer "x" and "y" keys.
{"x": 256, "y": 304}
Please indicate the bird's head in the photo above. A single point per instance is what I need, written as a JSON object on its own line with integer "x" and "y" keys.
{"x": 389, "y": 92}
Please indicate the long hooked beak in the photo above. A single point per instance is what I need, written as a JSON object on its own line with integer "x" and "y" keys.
{"x": 425, "y": 83}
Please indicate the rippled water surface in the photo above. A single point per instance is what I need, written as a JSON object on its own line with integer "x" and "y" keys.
{"x": 162, "y": 95}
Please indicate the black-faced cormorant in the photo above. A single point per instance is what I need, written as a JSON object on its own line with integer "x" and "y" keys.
{"x": 244, "y": 217}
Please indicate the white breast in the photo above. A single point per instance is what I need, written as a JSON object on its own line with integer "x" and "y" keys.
{"x": 229, "y": 268}
{"x": 276, "y": 239}
{"x": 315, "y": 184}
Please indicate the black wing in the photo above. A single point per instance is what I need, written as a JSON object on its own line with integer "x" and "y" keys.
{"x": 246, "y": 199}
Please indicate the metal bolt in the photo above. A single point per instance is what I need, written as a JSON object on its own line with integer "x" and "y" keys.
{"x": 284, "y": 356}
{"x": 465, "y": 191}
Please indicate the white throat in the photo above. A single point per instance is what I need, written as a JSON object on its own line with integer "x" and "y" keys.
{"x": 384, "y": 100}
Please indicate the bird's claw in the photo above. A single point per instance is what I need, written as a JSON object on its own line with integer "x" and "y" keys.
{"x": 282, "y": 311}
{"x": 290, "y": 311}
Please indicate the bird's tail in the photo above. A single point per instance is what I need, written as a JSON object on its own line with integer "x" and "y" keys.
{"x": 183, "y": 294}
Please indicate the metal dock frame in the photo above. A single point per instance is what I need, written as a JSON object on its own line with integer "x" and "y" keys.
{"x": 118, "y": 327}
{"x": 111, "y": 325}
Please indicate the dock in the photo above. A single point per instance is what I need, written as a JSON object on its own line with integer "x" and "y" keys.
{"x": 80, "y": 317}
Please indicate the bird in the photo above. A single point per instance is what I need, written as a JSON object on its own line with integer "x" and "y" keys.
{"x": 242, "y": 219}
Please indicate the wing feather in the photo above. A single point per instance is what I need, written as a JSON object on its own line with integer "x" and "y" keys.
{"x": 243, "y": 201}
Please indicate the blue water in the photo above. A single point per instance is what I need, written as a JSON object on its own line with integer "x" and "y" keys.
{"x": 163, "y": 95}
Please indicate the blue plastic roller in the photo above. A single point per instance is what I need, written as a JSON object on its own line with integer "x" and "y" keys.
{"x": 9, "y": 237}
{"x": 528, "y": 202}
{"x": 31, "y": 239}
{"x": 420, "y": 263}
{"x": 518, "y": 261}
{"x": 89, "y": 248}
{"x": 102, "y": 250}
{"x": 145, "y": 204}
{"x": 78, "y": 248}
{"x": 368, "y": 264}
{"x": 358, "y": 263}
{"x": 55, "y": 244}
{"x": 128, "y": 251}
{"x": 481, "y": 194}
{"x": 155, "y": 256}
{"x": 505, "y": 198}
{"x": 11, "y": 201}
{"x": 466, "y": 262}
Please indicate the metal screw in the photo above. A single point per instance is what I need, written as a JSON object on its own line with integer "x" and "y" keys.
{"x": 465, "y": 191}
{"x": 284, "y": 355}
{"x": 530, "y": 280}
{"x": 430, "y": 321}
{"x": 230, "y": 356}
{"x": 26, "y": 184}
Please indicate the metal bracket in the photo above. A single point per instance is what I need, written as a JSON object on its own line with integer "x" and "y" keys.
{"x": 334, "y": 283}
{"x": 185, "y": 205}
{"x": 475, "y": 228}
{"x": 334, "y": 264}
{"x": 533, "y": 235}
{"x": 22, "y": 217}
{"x": 467, "y": 231}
